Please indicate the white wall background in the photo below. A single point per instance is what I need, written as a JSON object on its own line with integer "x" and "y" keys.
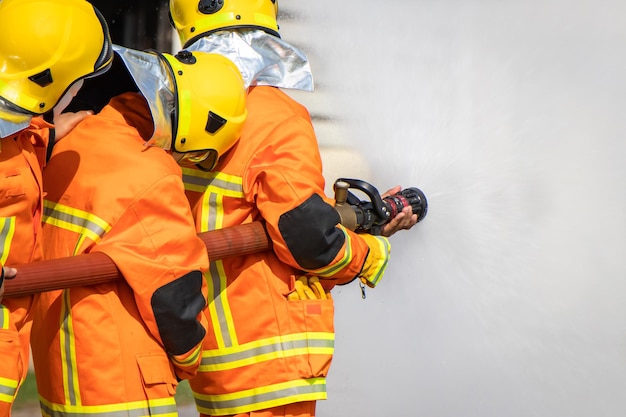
{"x": 508, "y": 299}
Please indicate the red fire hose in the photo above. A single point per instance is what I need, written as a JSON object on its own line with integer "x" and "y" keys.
{"x": 96, "y": 268}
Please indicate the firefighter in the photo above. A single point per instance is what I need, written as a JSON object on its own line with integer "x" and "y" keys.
{"x": 271, "y": 336}
{"x": 113, "y": 186}
{"x": 47, "y": 48}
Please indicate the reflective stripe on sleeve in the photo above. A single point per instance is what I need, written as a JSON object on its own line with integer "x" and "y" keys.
{"x": 215, "y": 182}
{"x": 75, "y": 220}
{"x": 342, "y": 263}
{"x": 8, "y": 389}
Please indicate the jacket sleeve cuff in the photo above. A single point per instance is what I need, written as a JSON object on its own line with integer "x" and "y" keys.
{"x": 376, "y": 260}
{"x": 186, "y": 365}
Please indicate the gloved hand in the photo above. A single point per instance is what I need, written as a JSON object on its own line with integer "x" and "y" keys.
{"x": 308, "y": 288}
{"x": 377, "y": 259}
{"x": 403, "y": 220}
{"x": 316, "y": 287}
{"x": 7, "y": 273}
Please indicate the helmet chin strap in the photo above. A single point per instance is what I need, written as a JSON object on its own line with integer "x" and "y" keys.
{"x": 178, "y": 156}
{"x": 209, "y": 163}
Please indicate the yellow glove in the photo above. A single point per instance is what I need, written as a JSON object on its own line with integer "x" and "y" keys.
{"x": 303, "y": 283}
{"x": 377, "y": 259}
{"x": 316, "y": 287}
{"x": 302, "y": 290}
{"x": 308, "y": 288}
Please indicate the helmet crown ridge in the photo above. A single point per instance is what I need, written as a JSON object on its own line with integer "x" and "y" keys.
{"x": 210, "y": 6}
{"x": 194, "y": 19}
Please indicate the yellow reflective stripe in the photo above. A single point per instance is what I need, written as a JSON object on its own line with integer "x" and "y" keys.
{"x": 212, "y": 211}
{"x": 218, "y": 182}
{"x": 75, "y": 220}
{"x": 7, "y": 230}
{"x": 79, "y": 244}
{"x": 193, "y": 182}
{"x": 263, "y": 397}
{"x": 219, "y": 305}
{"x": 8, "y": 389}
{"x": 220, "y": 313}
{"x": 223, "y": 19}
{"x": 88, "y": 226}
{"x": 342, "y": 263}
{"x": 205, "y": 211}
{"x": 264, "y": 20}
{"x": 215, "y": 186}
{"x": 190, "y": 359}
{"x": 219, "y": 212}
{"x": 163, "y": 407}
{"x": 184, "y": 111}
{"x": 5, "y": 316}
{"x": 319, "y": 343}
{"x": 8, "y": 89}
{"x": 71, "y": 384}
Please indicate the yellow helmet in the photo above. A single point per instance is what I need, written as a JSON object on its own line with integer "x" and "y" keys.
{"x": 210, "y": 106}
{"x": 46, "y": 46}
{"x": 193, "y": 19}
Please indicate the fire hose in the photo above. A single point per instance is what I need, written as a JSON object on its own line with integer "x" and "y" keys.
{"x": 367, "y": 216}
{"x": 97, "y": 268}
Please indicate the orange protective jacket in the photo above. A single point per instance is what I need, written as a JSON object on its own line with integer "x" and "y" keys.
{"x": 263, "y": 350}
{"x": 22, "y": 157}
{"x": 117, "y": 348}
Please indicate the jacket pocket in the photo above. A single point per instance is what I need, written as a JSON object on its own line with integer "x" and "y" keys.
{"x": 313, "y": 332}
{"x": 158, "y": 375}
{"x": 11, "y": 353}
